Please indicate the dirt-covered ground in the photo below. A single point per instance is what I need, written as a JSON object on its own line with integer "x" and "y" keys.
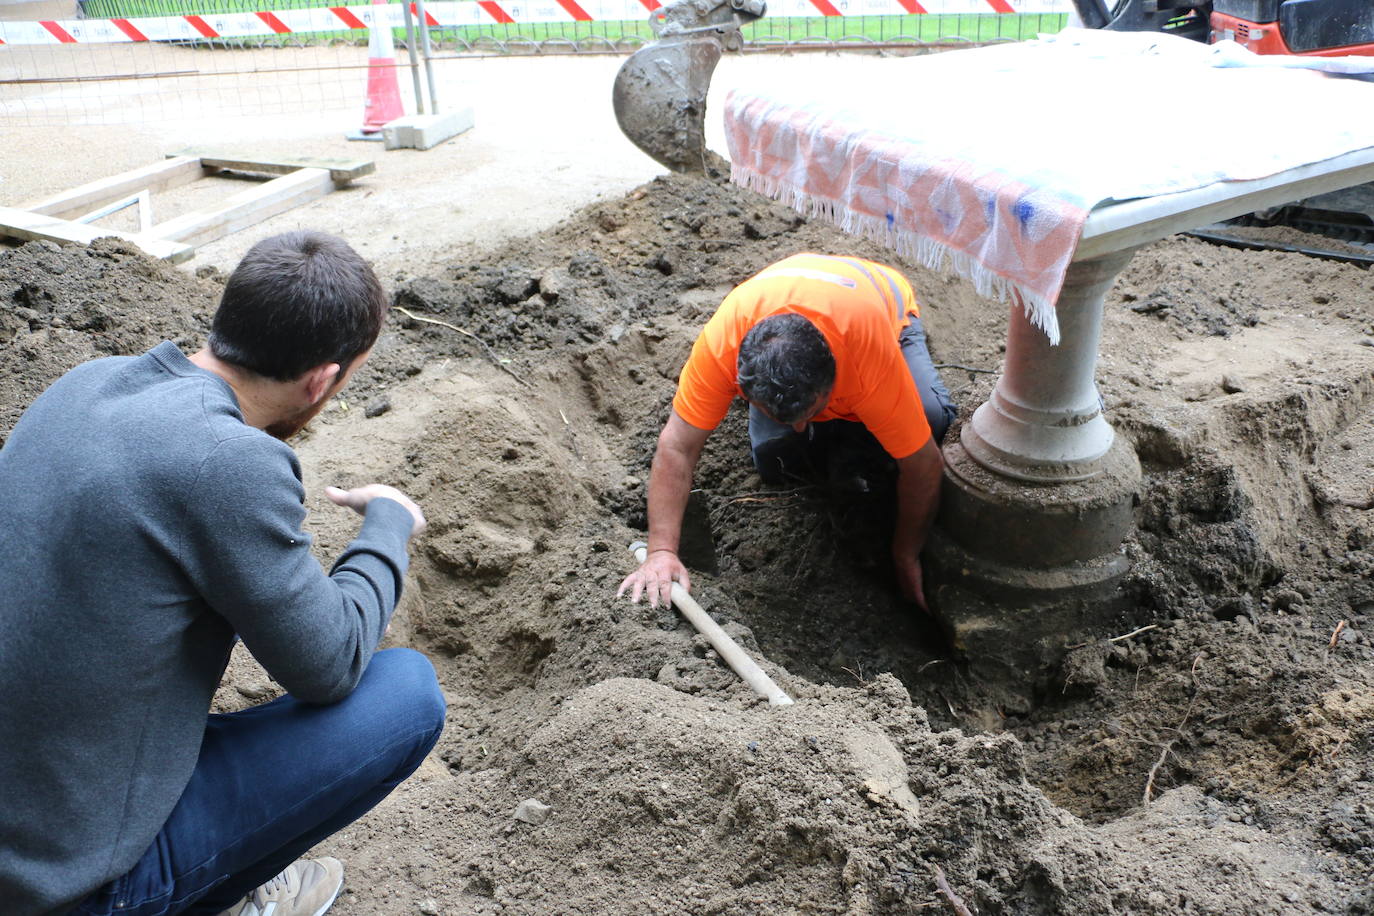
{"x": 1221, "y": 760}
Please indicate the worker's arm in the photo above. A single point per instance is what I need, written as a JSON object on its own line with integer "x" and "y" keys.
{"x": 670, "y": 482}
{"x": 918, "y": 496}
{"x": 243, "y": 549}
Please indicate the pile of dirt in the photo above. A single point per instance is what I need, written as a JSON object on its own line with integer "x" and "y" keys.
{"x": 1220, "y": 760}
{"x": 62, "y": 306}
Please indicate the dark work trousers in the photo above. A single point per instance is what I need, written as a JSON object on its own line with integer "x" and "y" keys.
{"x": 835, "y": 448}
{"x": 273, "y": 781}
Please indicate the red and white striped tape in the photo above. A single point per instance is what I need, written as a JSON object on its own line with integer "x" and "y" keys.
{"x": 446, "y": 13}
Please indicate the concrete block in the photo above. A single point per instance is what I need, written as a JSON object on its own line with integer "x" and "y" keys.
{"x": 426, "y": 130}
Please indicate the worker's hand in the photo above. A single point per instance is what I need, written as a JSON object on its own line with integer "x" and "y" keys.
{"x": 909, "y": 579}
{"x": 655, "y": 577}
{"x": 358, "y": 498}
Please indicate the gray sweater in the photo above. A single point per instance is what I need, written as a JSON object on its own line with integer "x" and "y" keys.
{"x": 142, "y": 525}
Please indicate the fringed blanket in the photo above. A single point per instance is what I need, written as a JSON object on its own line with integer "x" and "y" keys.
{"x": 990, "y": 159}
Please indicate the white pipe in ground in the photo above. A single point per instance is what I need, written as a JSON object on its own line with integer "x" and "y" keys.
{"x": 738, "y": 660}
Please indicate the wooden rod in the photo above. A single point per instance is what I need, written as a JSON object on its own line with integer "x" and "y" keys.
{"x": 738, "y": 660}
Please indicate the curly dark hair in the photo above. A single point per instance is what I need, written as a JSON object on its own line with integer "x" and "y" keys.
{"x": 785, "y": 366}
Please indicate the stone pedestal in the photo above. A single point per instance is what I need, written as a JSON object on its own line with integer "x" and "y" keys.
{"x": 1038, "y": 495}
{"x": 1018, "y": 571}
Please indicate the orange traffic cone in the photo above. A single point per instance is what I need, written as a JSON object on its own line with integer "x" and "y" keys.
{"x": 383, "y": 86}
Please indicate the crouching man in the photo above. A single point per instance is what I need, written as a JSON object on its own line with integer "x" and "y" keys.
{"x": 152, "y": 512}
{"x": 831, "y": 355}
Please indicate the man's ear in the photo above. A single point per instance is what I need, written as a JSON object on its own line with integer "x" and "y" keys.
{"x": 319, "y": 380}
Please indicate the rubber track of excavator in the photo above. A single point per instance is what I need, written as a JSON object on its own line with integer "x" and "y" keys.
{"x": 1222, "y": 234}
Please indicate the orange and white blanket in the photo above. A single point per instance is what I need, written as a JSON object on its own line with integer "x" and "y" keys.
{"x": 990, "y": 159}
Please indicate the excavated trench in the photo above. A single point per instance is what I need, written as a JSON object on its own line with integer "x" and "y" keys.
{"x": 1220, "y": 760}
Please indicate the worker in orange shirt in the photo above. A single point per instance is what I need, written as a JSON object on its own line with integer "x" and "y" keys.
{"x": 831, "y": 356}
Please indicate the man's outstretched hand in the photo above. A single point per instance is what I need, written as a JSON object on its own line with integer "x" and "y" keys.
{"x": 655, "y": 577}
{"x": 910, "y": 580}
{"x": 358, "y": 498}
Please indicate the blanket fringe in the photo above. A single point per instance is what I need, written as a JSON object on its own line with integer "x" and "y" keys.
{"x": 925, "y": 251}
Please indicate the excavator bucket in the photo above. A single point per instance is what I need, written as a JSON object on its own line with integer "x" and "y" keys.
{"x": 660, "y": 99}
{"x": 660, "y": 92}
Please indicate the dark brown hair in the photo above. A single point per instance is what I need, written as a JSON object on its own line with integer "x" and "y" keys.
{"x": 296, "y": 301}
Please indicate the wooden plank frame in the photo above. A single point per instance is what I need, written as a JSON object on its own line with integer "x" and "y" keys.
{"x": 299, "y": 180}
{"x": 25, "y": 224}
{"x": 160, "y": 176}
{"x": 244, "y": 208}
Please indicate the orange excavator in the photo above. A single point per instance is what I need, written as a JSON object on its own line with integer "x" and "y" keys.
{"x": 660, "y": 92}
{"x": 1330, "y": 28}
{"x": 1320, "y": 28}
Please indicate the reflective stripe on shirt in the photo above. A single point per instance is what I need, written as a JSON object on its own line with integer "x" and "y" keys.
{"x": 891, "y": 285}
{"x": 806, "y": 274}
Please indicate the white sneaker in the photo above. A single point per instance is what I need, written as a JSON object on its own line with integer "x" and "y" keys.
{"x": 307, "y": 887}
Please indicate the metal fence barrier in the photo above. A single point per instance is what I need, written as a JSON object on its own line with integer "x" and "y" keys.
{"x": 134, "y": 61}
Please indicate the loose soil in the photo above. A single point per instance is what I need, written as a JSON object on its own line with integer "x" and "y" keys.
{"x": 1221, "y": 760}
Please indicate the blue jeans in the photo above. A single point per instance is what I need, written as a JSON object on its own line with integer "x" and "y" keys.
{"x": 781, "y": 452}
{"x": 274, "y": 780}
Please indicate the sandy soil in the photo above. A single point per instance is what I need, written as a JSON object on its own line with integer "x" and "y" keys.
{"x": 1244, "y": 380}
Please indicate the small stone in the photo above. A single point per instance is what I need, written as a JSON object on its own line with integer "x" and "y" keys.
{"x": 532, "y": 811}
{"x": 1367, "y": 342}
{"x": 377, "y": 407}
{"x": 1231, "y": 385}
{"x": 429, "y": 906}
{"x": 555, "y": 285}
{"x": 256, "y": 691}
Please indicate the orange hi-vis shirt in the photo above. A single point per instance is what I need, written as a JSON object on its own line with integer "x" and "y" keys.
{"x": 859, "y": 306}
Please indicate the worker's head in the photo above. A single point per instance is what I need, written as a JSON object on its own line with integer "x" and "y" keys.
{"x": 786, "y": 368}
{"x": 297, "y": 301}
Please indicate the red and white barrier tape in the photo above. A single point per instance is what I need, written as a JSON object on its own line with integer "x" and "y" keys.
{"x": 446, "y": 13}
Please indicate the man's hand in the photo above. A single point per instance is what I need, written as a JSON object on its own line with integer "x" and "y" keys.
{"x": 670, "y": 482}
{"x": 358, "y": 498}
{"x": 910, "y": 581}
{"x": 655, "y": 577}
{"x": 918, "y": 496}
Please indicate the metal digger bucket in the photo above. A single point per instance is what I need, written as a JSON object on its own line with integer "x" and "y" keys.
{"x": 660, "y": 92}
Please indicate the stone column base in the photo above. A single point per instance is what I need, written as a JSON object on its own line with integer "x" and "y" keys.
{"x": 1020, "y": 571}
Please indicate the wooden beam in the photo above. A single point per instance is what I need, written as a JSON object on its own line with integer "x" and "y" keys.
{"x": 156, "y": 177}
{"x": 245, "y": 208}
{"x": 23, "y": 224}
{"x": 342, "y": 171}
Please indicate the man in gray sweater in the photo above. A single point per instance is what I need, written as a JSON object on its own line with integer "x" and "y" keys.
{"x": 151, "y": 513}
